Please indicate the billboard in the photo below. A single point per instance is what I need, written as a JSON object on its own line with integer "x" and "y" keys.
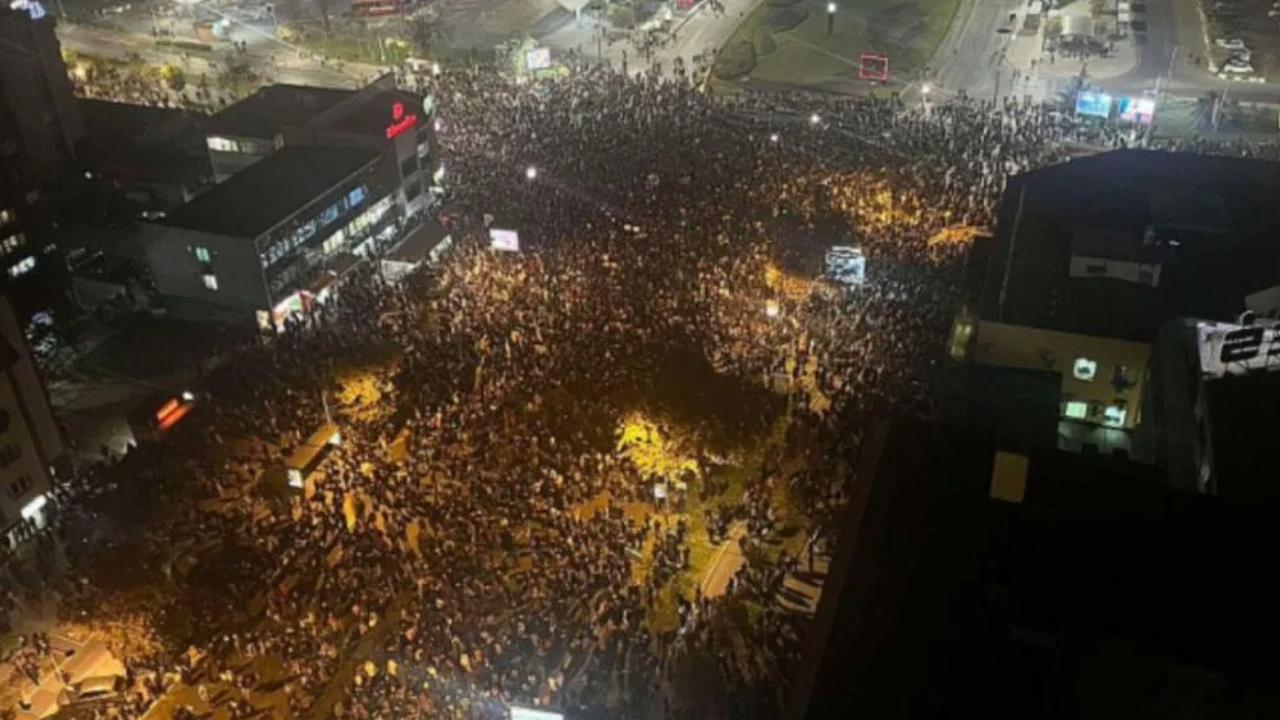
{"x": 873, "y": 67}
{"x": 538, "y": 59}
{"x": 847, "y": 265}
{"x": 1228, "y": 349}
{"x": 1093, "y": 103}
{"x": 1136, "y": 109}
{"x": 504, "y": 240}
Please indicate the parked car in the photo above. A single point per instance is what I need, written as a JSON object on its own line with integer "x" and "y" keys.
{"x": 1241, "y": 55}
{"x": 1230, "y": 43}
{"x": 1237, "y": 67}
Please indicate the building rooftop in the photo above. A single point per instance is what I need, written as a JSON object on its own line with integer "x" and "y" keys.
{"x": 263, "y": 114}
{"x": 1244, "y": 412}
{"x": 375, "y": 112}
{"x": 266, "y": 193}
{"x": 1059, "y": 586}
{"x": 1212, "y": 217}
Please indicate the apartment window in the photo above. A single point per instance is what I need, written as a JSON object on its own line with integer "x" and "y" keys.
{"x": 1076, "y": 410}
{"x": 22, "y": 485}
{"x": 1084, "y": 369}
{"x": 6, "y": 217}
{"x": 11, "y": 243}
{"x": 203, "y": 255}
{"x": 210, "y": 281}
{"x": 355, "y": 197}
{"x": 22, "y": 267}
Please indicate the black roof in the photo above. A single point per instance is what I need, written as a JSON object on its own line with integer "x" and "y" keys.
{"x": 1103, "y": 588}
{"x": 1244, "y": 414}
{"x": 374, "y": 113}
{"x": 274, "y": 107}
{"x": 266, "y": 193}
{"x": 1220, "y": 210}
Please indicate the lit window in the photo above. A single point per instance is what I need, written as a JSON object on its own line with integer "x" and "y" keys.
{"x": 202, "y": 254}
{"x": 1084, "y": 369}
{"x": 1115, "y": 416}
{"x": 355, "y": 197}
{"x": 210, "y": 281}
{"x": 1077, "y": 410}
{"x": 5, "y": 216}
{"x": 221, "y": 144}
{"x": 11, "y": 243}
{"x": 22, "y": 267}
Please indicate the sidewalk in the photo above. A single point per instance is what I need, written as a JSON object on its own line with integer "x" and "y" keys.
{"x": 1041, "y": 73}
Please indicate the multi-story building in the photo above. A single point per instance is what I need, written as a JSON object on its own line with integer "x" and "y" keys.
{"x": 395, "y": 123}
{"x": 272, "y": 240}
{"x": 30, "y": 440}
{"x": 1127, "y": 305}
{"x": 39, "y": 128}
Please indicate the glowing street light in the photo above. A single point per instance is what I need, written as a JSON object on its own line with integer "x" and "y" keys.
{"x": 924, "y": 89}
{"x": 531, "y": 173}
{"x": 831, "y": 18}
{"x": 773, "y": 137}
{"x": 771, "y": 308}
{"x": 814, "y": 119}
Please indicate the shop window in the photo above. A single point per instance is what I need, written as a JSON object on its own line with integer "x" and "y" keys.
{"x": 22, "y": 267}
{"x": 202, "y": 254}
{"x": 330, "y": 214}
{"x": 1084, "y": 369}
{"x": 210, "y": 281}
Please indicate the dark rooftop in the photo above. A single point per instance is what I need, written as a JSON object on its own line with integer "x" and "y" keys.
{"x": 266, "y": 193}
{"x": 263, "y": 114}
{"x": 1101, "y": 594}
{"x": 374, "y": 113}
{"x": 1244, "y": 412}
{"x": 1220, "y": 211}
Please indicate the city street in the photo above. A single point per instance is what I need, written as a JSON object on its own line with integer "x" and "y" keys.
{"x": 289, "y": 67}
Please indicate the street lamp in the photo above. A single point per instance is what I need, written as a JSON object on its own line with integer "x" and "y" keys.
{"x": 814, "y": 119}
{"x": 773, "y": 137}
{"x": 831, "y": 17}
{"x": 531, "y": 173}
{"x": 771, "y": 308}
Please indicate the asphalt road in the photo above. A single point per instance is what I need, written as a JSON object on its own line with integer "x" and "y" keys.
{"x": 966, "y": 58}
{"x": 291, "y": 69}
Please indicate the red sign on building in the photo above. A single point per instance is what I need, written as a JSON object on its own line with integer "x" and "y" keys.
{"x": 400, "y": 122}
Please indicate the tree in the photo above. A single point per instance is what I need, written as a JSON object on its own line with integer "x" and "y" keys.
{"x": 427, "y": 34}
{"x": 326, "y": 11}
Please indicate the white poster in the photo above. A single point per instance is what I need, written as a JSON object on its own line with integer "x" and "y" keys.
{"x": 504, "y": 240}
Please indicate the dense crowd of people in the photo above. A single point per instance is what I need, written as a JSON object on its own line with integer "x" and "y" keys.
{"x": 476, "y": 540}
